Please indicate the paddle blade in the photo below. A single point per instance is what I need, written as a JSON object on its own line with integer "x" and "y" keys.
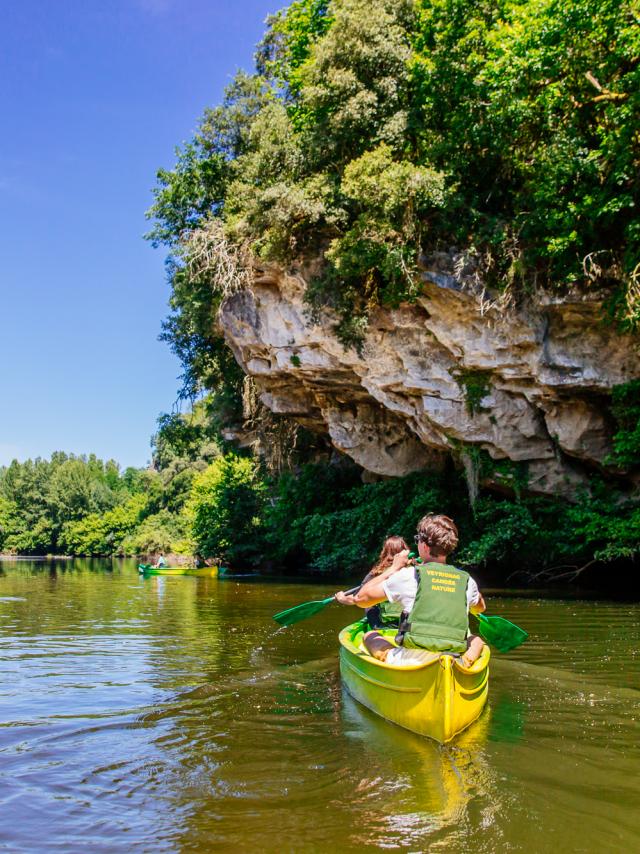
{"x": 500, "y": 633}
{"x": 301, "y": 612}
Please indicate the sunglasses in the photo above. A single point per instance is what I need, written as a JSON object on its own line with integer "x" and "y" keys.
{"x": 420, "y": 538}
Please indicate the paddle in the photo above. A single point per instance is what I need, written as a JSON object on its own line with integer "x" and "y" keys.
{"x": 500, "y": 633}
{"x": 307, "y": 609}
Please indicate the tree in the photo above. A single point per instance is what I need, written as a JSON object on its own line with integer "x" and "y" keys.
{"x": 226, "y": 509}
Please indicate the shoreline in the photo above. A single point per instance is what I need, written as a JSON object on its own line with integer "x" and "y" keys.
{"x": 490, "y": 588}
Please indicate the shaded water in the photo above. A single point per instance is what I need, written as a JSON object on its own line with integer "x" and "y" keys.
{"x": 171, "y": 714}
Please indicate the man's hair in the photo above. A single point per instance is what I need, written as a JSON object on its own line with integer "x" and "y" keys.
{"x": 439, "y": 533}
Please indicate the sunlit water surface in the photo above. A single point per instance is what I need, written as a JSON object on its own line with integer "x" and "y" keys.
{"x": 171, "y": 714}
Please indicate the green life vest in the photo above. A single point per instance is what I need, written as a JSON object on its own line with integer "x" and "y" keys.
{"x": 384, "y": 614}
{"x": 390, "y": 611}
{"x": 439, "y": 620}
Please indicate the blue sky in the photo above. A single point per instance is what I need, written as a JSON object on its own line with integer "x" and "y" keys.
{"x": 94, "y": 97}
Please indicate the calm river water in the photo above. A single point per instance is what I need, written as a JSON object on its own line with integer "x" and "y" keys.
{"x": 171, "y": 714}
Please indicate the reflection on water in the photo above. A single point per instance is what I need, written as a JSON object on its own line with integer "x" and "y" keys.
{"x": 438, "y": 781}
{"x": 171, "y": 714}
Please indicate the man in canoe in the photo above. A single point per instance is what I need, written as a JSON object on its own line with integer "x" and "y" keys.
{"x": 436, "y": 599}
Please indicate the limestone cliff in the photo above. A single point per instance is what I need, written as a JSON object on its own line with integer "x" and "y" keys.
{"x": 449, "y": 373}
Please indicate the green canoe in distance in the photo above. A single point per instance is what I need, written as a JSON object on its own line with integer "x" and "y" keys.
{"x": 205, "y": 571}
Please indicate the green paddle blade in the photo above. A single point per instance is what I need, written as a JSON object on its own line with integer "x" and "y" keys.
{"x": 301, "y": 612}
{"x": 500, "y": 633}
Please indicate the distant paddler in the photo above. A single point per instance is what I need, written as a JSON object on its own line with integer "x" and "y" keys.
{"x": 160, "y": 563}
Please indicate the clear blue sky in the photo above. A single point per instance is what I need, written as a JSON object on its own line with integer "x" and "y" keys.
{"x": 94, "y": 97}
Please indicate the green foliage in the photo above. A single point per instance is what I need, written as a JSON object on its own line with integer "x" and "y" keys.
{"x": 190, "y": 331}
{"x": 475, "y": 385}
{"x": 196, "y": 187}
{"x": 76, "y": 489}
{"x": 188, "y": 437}
{"x": 40, "y": 496}
{"x": 270, "y": 204}
{"x": 82, "y": 505}
{"x": 183, "y": 446}
{"x": 162, "y": 533}
{"x": 324, "y": 516}
{"x": 102, "y": 533}
{"x": 8, "y": 522}
{"x": 288, "y": 41}
{"x": 389, "y": 201}
{"x": 226, "y": 509}
{"x": 350, "y": 538}
{"x": 505, "y": 530}
{"x": 535, "y": 534}
{"x": 313, "y": 489}
{"x": 572, "y": 76}
{"x": 625, "y": 407}
{"x": 186, "y": 199}
{"x": 532, "y": 108}
{"x": 321, "y": 516}
{"x": 354, "y": 89}
{"x": 187, "y": 194}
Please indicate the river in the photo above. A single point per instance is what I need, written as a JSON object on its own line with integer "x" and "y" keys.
{"x": 172, "y": 714}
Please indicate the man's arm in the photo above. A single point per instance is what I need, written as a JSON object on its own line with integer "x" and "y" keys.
{"x": 372, "y": 593}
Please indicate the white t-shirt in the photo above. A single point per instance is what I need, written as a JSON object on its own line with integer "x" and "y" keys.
{"x": 402, "y": 587}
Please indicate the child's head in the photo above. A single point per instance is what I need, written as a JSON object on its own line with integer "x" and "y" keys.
{"x": 438, "y": 533}
{"x": 391, "y": 547}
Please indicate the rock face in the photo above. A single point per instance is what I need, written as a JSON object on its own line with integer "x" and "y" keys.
{"x": 451, "y": 372}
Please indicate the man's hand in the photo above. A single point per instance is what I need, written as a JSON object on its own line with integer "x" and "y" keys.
{"x": 400, "y": 560}
{"x": 479, "y": 607}
{"x": 345, "y": 598}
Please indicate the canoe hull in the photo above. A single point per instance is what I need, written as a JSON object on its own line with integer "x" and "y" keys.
{"x": 205, "y": 571}
{"x": 437, "y": 699}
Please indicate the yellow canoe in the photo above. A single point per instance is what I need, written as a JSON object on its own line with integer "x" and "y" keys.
{"x": 438, "y": 698}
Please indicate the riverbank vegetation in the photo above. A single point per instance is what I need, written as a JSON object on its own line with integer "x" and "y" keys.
{"x": 200, "y": 495}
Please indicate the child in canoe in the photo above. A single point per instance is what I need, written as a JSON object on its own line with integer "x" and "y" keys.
{"x": 385, "y": 614}
{"x": 436, "y": 596}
